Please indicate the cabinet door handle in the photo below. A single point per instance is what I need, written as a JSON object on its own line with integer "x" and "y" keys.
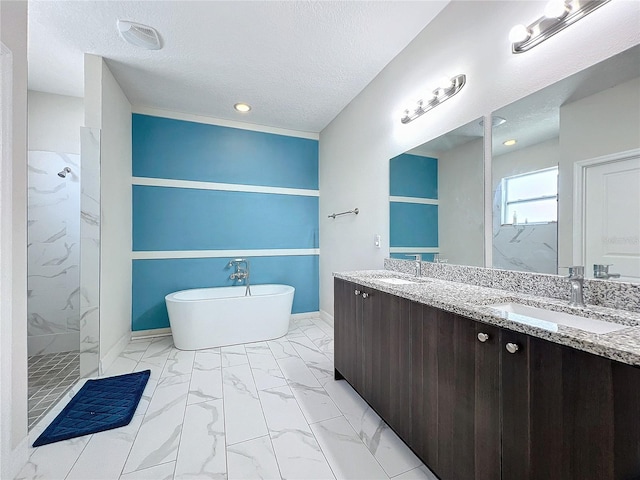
{"x": 356, "y": 292}
{"x": 365, "y": 294}
{"x": 512, "y": 347}
{"x": 483, "y": 337}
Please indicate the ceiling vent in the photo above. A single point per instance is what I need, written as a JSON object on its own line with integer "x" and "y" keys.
{"x": 139, "y": 35}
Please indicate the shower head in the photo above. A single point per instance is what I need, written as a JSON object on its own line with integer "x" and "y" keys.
{"x": 64, "y": 172}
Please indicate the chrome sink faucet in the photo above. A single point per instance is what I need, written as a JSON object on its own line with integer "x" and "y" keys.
{"x": 576, "y": 277}
{"x": 241, "y": 273}
{"x": 418, "y": 257}
{"x": 602, "y": 271}
{"x": 438, "y": 259}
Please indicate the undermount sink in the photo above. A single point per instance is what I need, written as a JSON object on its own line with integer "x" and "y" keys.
{"x": 549, "y": 320}
{"x": 395, "y": 281}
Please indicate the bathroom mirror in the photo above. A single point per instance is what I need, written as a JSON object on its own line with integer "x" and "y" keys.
{"x": 566, "y": 174}
{"x": 436, "y": 199}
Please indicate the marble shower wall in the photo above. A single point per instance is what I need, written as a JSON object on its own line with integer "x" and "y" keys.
{"x": 90, "y": 252}
{"x": 523, "y": 247}
{"x": 526, "y": 247}
{"x": 53, "y": 253}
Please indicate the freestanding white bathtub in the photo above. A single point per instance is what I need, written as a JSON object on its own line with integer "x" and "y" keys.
{"x": 214, "y": 317}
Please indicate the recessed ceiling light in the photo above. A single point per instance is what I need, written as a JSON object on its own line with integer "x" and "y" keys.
{"x": 508, "y": 143}
{"x": 495, "y": 121}
{"x": 242, "y": 107}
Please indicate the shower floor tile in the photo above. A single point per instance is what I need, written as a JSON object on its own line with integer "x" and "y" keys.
{"x": 50, "y": 376}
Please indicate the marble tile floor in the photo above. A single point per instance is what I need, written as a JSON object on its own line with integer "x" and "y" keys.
{"x": 50, "y": 377}
{"x": 262, "y": 410}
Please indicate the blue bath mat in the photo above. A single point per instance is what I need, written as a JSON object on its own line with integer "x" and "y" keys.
{"x": 100, "y": 405}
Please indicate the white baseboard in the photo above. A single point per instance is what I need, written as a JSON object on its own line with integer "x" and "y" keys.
{"x": 19, "y": 458}
{"x": 114, "y": 352}
{"x": 326, "y": 317}
{"x": 156, "y": 332}
{"x": 300, "y": 316}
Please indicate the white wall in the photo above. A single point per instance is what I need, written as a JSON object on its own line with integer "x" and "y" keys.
{"x": 13, "y": 240}
{"x": 604, "y": 123}
{"x": 54, "y": 122}
{"x": 529, "y": 159}
{"x": 115, "y": 179}
{"x": 107, "y": 108}
{"x": 356, "y": 146}
{"x": 461, "y": 198}
{"x": 90, "y": 218}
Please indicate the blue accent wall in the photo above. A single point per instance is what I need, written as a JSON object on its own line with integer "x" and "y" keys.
{"x": 176, "y": 149}
{"x": 413, "y": 225}
{"x": 153, "y": 279}
{"x": 413, "y": 176}
{"x": 177, "y": 218}
{"x": 166, "y": 218}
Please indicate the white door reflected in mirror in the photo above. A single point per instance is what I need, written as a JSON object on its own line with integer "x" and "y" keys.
{"x": 612, "y": 213}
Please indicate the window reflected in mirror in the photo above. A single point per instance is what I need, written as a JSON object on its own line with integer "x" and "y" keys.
{"x": 530, "y": 198}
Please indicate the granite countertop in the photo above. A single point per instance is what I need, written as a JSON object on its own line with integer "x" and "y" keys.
{"x": 472, "y": 301}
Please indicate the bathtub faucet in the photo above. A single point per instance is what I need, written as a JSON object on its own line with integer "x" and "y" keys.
{"x": 241, "y": 273}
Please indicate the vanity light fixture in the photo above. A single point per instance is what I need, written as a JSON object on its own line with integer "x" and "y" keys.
{"x": 242, "y": 107}
{"x": 444, "y": 92}
{"x": 556, "y": 9}
{"x": 558, "y": 14}
{"x": 508, "y": 143}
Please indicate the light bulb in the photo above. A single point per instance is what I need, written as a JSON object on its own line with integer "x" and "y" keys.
{"x": 446, "y": 82}
{"x": 519, "y": 33}
{"x": 508, "y": 143}
{"x": 408, "y": 113}
{"x": 429, "y": 99}
{"x": 442, "y": 89}
{"x": 556, "y": 9}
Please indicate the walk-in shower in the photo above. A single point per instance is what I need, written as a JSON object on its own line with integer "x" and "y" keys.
{"x": 53, "y": 273}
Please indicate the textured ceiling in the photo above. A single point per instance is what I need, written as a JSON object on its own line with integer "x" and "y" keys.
{"x": 536, "y": 118}
{"x": 298, "y": 63}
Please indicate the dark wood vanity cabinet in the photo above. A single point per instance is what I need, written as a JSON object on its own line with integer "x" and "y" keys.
{"x": 471, "y": 409}
{"x": 567, "y": 414}
{"x": 372, "y": 329}
{"x": 387, "y": 357}
{"x": 455, "y": 394}
{"x": 347, "y": 314}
